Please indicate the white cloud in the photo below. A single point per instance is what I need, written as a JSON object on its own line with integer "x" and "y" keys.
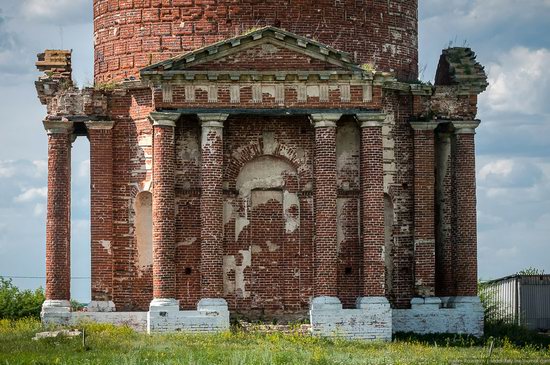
{"x": 60, "y": 12}
{"x": 500, "y": 167}
{"x": 39, "y": 209}
{"x": 519, "y": 82}
{"x": 31, "y": 194}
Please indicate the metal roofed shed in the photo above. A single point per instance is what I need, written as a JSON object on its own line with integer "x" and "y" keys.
{"x": 520, "y": 299}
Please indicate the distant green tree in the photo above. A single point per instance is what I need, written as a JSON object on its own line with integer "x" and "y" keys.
{"x": 531, "y": 271}
{"x": 15, "y": 303}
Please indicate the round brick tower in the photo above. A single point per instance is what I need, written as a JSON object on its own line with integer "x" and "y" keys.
{"x": 132, "y": 34}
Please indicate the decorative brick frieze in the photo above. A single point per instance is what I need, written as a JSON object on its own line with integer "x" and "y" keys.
{"x": 325, "y": 192}
{"x": 372, "y": 203}
{"x": 164, "y": 246}
{"x": 100, "y": 135}
{"x": 211, "y": 205}
{"x": 424, "y": 207}
{"x": 58, "y": 224}
{"x": 465, "y": 208}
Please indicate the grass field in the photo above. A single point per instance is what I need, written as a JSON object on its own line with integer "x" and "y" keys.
{"x": 105, "y": 344}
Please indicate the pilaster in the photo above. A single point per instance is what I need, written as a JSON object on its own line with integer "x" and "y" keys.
{"x": 100, "y": 134}
{"x": 164, "y": 266}
{"x": 325, "y": 195}
{"x": 372, "y": 204}
{"x": 58, "y": 236}
{"x": 211, "y": 205}
{"x": 424, "y": 207}
{"x": 465, "y": 203}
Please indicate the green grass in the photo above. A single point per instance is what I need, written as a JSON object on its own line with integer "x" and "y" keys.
{"x": 107, "y": 344}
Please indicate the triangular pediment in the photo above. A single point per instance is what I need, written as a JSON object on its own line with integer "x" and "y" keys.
{"x": 264, "y": 49}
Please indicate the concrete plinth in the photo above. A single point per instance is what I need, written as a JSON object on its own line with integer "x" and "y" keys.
{"x": 212, "y": 315}
{"x": 371, "y": 320}
{"x": 461, "y": 315}
{"x": 56, "y": 312}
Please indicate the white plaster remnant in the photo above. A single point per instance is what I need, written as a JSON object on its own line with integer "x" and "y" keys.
{"x": 210, "y": 135}
{"x": 190, "y": 93}
{"x": 388, "y": 143}
{"x": 143, "y": 225}
{"x": 272, "y": 247}
{"x": 340, "y": 235}
{"x": 367, "y": 93}
{"x": 235, "y": 94}
{"x": 212, "y": 93}
{"x": 230, "y": 264}
{"x": 106, "y": 245}
{"x": 323, "y": 92}
{"x": 188, "y": 148}
{"x": 269, "y": 90}
{"x": 261, "y": 197}
{"x": 187, "y": 242}
{"x": 257, "y": 96}
{"x": 347, "y": 154}
{"x": 240, "y": 224}
{"x": 167, "y": 94}
{"x": 345, "y": 93}
{"x": 312, "y": 91}
{"x": 265, "y": 172}
{"x": 292, "y": 220}
{"x": 302, "y": 92}
{"x": 270, "y": 144}
{"x": 227, "y": 212}
{"x": 280, "y": 93}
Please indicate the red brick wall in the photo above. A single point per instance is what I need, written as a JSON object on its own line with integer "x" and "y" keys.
{"x": 132, "y": 34}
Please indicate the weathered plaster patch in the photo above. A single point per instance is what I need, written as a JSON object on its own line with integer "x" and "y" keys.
{"x": 106, "y": 245}
{"x": 238, "y": 286}
{"x": 340, "y": 218}
{"x": 292, "y": 219}
{"x": 272, "y": 247}
{"x": 240, "y": 224}
{"x": 260, "y": 197}
{"x": 269, "y": 143}
{"x": 187, "y": 242}
{"x": 347, "y": 155}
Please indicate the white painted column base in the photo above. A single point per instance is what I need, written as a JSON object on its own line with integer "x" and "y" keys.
{"x": 101, "y": 306}
{"x": 371, "y": 320}
{"x": 461, "y": 315}
{"x": 212, "y": 315}
{"x": 56, "y": 312}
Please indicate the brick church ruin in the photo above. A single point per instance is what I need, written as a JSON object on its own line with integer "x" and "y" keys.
{"x": 267, "y": 160}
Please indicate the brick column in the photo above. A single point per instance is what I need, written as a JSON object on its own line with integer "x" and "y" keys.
{"x": 211, "y": 206}
{"x": 58, "y": 221}
{"x": 100, "y": 134}
{"x": 325, "y": 194}
{"x": 465, "y": 202}
{"x": 424, "y": 208}
{"x": 372, "y": 197}
{"x": 164, "y": 225}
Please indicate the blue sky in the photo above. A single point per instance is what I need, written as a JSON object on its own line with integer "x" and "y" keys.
{"x": 513, "y": 142}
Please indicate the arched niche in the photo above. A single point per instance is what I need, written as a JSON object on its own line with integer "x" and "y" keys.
{"x": 143, "y": 224}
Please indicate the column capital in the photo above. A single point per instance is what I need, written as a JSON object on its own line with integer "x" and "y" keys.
{"x": 212, "y": 120}
{"x": 164, "y": 119}
{"x": 100, "y": 124}
{"x": 325, "y": 120}
{"x": 465, "y": 126}
{"x": 367, "y": 120}
{"x": 424, "y": 125}
{"x": 59, "y": 126}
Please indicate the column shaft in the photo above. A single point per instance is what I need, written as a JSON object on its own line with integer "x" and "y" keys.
{"x": 164, "y": 269}
{"x": 211, "y": 205}
{"x": 372, "y": 197}
{"x": 58, "y": 221}
{"x": 424, "y": 208}
{"x": 325, "y": 185}
{"x": 100, "y": 135}
{"x": 466, "y": 215}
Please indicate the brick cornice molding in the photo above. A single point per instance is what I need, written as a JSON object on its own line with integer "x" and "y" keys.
{"x": 58, "y": 126}
{"x": 466, "y": 126}
{"x": 164, "y": 119}
{"x": 424, "y": 125}
{"x": 325, "y": 120}
{"x": 370, "y": 120}
{"x": 100, "y": 125}
{"x": 212, "y": 120}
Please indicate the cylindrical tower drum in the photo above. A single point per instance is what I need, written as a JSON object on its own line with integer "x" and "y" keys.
{"x": 132, "y": 34}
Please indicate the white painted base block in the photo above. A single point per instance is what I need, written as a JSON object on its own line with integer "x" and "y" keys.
{"x": 212, "y": 315}
{"x": 56, "y": 312}
{"x": 371, "y": 320}
{"x": 134, "y": 320}
{"x": 462, "y": 315}
{"x": 101, "y": 306}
